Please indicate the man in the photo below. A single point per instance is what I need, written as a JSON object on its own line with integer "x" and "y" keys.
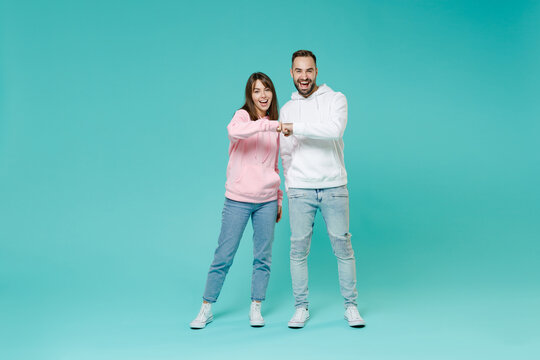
{"x": 312, "y": 125}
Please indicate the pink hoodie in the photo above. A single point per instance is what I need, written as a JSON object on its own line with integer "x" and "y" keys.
{"x": 252, "y": 172}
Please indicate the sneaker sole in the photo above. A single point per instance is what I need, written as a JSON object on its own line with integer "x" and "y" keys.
{"x": 256, "y": 323}
{"x": 297, "y": 325}
{"x": 201, "y": 325}
{"x": 356, "y": 324}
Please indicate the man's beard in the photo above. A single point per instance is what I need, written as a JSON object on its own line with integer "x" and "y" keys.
{"x": 307, "y": 91}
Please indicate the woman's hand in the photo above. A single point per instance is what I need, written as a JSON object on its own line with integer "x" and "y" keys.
{"x": 278, "y": 214}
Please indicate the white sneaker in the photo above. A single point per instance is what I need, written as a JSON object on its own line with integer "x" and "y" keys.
{"x": 301, "y": 315}
{"x": 255, "y": 317}
{"x": 353, "y": 317}
{"x": 205, "y": 316}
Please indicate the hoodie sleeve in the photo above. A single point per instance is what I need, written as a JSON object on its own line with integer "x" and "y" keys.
{"x": 242, "y": 127}
{"x": 330, "y": 128}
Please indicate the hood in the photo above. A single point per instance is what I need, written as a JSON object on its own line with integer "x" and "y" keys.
{"x": 321, "y": 90}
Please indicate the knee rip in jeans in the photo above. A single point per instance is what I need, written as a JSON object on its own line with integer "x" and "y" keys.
{"x": 300, "y": 247}
{"x": 342, "y": 246}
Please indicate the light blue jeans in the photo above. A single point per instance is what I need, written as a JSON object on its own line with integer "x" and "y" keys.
{"x": 334, "y": 206}
{"x": 234, "y": 219}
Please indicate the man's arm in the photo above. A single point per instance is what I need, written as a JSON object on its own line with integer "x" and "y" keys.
{"x": 332, "y": 128}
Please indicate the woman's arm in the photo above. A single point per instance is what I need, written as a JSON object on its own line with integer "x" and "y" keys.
{"x": 242, "y": 127}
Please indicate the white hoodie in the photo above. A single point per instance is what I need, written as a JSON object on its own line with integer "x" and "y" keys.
{"x": 312, "y": 157}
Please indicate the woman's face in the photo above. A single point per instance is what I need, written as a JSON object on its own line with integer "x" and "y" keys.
{"x": 262, "y": 98}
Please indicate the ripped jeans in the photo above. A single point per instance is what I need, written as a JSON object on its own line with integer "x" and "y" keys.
{"x": 334, "y": 206}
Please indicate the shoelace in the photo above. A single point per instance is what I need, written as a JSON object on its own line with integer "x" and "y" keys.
{"x": 299, "y": 314}
{"x": 352, "y": 313}
{"x": 202, "y": 312}
{"x": 256, "y": 310}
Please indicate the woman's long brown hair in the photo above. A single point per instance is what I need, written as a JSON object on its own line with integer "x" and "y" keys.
{"x": 249, "y": 105}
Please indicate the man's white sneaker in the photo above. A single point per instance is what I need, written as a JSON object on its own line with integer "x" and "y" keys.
{"x": 255, "y": 317}
{"x": 301, "y": 315}
{"x": 353, "y": 317}
{"x": 205, "y": 316}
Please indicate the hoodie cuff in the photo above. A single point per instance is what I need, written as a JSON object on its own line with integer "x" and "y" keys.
{"x": 272, "y": 125}
{"x": 299, "y": 128}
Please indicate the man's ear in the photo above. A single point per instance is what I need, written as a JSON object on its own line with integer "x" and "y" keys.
{"x": 291, "y": 73}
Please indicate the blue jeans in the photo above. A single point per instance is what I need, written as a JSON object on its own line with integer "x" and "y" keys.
{"x": 334, "y": 206}
{"x": 233, "y": 222}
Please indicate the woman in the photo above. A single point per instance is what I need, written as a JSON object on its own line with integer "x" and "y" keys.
{"x": 252, "y": 190}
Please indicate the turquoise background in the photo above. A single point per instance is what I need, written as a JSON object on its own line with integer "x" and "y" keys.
{"x": 113, "y": 151}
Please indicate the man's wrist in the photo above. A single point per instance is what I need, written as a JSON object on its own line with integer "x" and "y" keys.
{"x": 299, "y": 128}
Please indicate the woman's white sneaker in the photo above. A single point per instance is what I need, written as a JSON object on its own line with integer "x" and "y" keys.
{"x": 301, "y": 315}
{"x": 353, "y": 317}
{"x": 255, "y": 317}
{"x": 205, "y": 316}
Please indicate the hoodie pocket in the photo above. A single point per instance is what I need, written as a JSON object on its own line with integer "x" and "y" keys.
{"x": 315, "y": 159}
{"x": 257, "y": 180}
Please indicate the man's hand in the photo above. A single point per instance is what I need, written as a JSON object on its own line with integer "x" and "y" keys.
{"x": 278, "y": 214}
{"x": 286, "y": 128}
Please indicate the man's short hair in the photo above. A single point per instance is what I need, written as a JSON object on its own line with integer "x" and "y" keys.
{"x": 304, "y": 53}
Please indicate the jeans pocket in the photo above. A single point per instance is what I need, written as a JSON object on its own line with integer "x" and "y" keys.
{"x": 294, "y": 194}
{"x": 341, "y": 191}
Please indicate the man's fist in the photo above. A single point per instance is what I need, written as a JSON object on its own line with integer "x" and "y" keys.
{"x": 286, "y": 128}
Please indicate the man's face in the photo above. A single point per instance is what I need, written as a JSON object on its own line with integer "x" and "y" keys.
{"x": 304, "y": 74}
